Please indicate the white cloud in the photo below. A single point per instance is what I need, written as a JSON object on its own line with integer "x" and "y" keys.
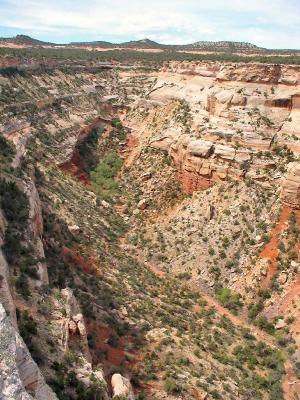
{"x": 272, "y": 23}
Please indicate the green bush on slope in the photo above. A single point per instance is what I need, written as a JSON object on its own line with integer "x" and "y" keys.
{"x": 229, "y": 299}
{"x": 103, "y": 176}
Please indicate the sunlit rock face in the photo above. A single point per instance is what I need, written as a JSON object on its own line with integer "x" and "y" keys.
{"x": 20, "y": 377}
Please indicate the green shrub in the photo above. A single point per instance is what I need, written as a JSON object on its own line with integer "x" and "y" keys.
{"x": 22, "y": 286}
{"x": 14, "y": 203}
{"x": 264, "y": 324}
{"x": 28, "y": 331}
{"x": 103, "y": 176}
{"x": 87, "y": 149}
{"x": 172, "y": 387}
{"x": 255, "y": 309}
{"x": 229, "y": 299}
{"x": 7, "y": 149}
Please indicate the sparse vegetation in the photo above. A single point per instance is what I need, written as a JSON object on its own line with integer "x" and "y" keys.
{"x": 103, "y": 176}
{"x": 135, "y": 250}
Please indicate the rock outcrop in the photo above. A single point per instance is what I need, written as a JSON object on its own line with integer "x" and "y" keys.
{"x": 5, "y": 292}
{"x": 20, "y": 377}
{"x": 201, "y": 163}
{"x": 121, "y": 387}
{"x": 248, "y": 72}
{"x": 218, "y": 123}
{"x": 291, "y": 185}
{"x": 73, "y": 324}
{"x": 36, "y": 228}
{"x": 74, "y": 331}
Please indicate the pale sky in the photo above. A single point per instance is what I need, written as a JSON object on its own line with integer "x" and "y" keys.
{"x": 266, "y": 23}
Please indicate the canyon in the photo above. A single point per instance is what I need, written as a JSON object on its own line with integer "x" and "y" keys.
{"x": 149, "y": 226}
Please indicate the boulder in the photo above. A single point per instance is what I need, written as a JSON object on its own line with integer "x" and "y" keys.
{"x": 224, "y": 97}
{"x": 200, "y": 148}
{"x": 142, "y": 204}
{"x": 283, "y": 277}
{"x": 225, "y": 152}
{"x": 74, "y": 228}
{"x": 238, "y": 100}
{"x": 280, "y": 324}
{"x": 146, "y": 176}
{"x": 105, "y": 204}
{"x": 121, "y": 387}
{"x": 205, "y": 72}
{"x": 73, "y": 324}
{"x": 289, "y": 80}
{"x": 72, "y": 327}
{"x": 242, "y": 156}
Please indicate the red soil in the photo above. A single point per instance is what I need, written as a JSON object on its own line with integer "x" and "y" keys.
{"x": 293, "y": 292}
{"x": 114, "y": 356}
{"x": 132, "y": 141}
{"x": 73, "y": 257}
{"x": 270, "y": 251}
{"x": 291, "y": 386}
{"x": 133, "y": 149}
{"x": 75, "y": 167}
{"x": 110, "y": 356}
{"x": 21, "y": 306}
{"x": 191, "y": 182}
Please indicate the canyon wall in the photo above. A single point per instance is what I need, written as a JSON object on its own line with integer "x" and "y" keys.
{"x": 228, "y": 133}
{"x": 232, "y": 121}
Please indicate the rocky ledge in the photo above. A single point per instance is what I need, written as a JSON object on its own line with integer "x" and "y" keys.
{"x": 291, "y": 186}
{"x": 202, "y": 163}
{"x": 244, "y": 72}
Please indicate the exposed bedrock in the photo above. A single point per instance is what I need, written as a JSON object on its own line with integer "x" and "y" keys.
{"x": 201, "y": 163}
{"x": 121, "y": 387}
{"x": 291, "y": 186}
{"x": 248, "y": 72}
{"x": 5, "y": 291}
{"x": 20, "y": 377}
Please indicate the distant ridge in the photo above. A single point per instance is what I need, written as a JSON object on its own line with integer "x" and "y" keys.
{"x": 200, "y": 45}
{"x": 98, "y": 43}
{"x": 25, "y": 40}
{"x": 218, "y": 46}
{"x": 144, "y": 43}
{"x": 221, "y": 45}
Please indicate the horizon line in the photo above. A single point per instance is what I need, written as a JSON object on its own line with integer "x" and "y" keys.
{"x": 140, "y": 40}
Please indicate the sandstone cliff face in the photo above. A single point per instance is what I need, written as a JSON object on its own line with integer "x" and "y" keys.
{"x": 20, "y": 378}
{"x": 121, "y": 387}
{"x": 73, "y": 325}
{"x": 218, "y": 124}
{"x": 227, "y": 90}
{"x": 200, "y": 163}
{"x": 250, "y": 72}
{"x": 5, "y": 290}
{"x": 36, "y": 228}
{"x": 235, "y": 115}
{"x": 291, "y": 186}
{"x": 74, "y": 334}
